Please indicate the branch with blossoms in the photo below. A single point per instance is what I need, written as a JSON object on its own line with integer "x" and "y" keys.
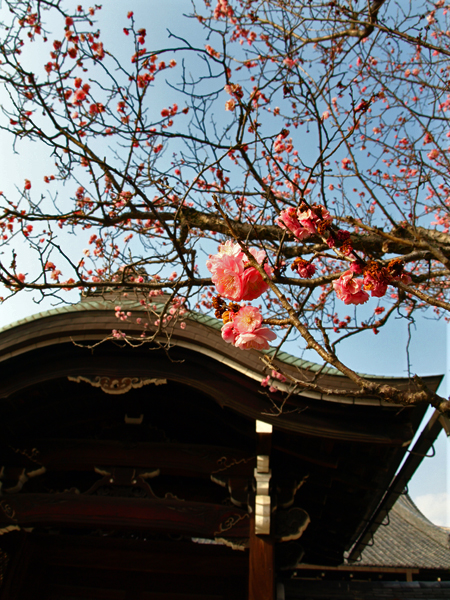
{"x": 242, "y": 274}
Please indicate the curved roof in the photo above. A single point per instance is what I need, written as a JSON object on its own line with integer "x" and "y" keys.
{"x": 409, "y": 539}
{"x": 93, "y": 318}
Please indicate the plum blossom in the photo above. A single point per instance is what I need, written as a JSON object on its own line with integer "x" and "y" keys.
{"x": 258, "y": 339}
{"x": 288, "y": 220}
{"x": 310, "y": 218}
{"x": 376, "y": 286}
{"x": 228, "y": 333}
{"x": 304, "y": 268}
{"x": 356, "y": 267}
{"x": 253, "y": 285}
{"x": 230, "y": 249}
{"x": 265, "y": 381}
{"x": 247, "y": 319}
{"x": 304, "y": 221}
{"x": 345, "y": 163}
{"x": 244, "y": 330}
{"x": 227, "y": 277}
{"x": 252, "y": 281}
{"x": 232, "y": 275}
{"x": 349, "y": 289}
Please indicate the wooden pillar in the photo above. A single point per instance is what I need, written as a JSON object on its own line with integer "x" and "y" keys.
{"x": 261, "y": 577}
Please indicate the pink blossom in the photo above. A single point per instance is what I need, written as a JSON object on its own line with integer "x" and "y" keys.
{"x": 245, "y": 332}
{"x": 349, "y": 289}
{"x": 247, "y": 319}
{"x": 265, "y": 381}
{"x": 258, "y": 255}
{"x": 78, "y": 96}
{"x": 377, "y": 288}
{"x": 227, "y": 249}
{"x": 228, "y": 333}
{"x": 227, "y": 277}
{"x": 279, "y": 376}
{"x": 253, "y": 284}
{"x": 305, "y": 270}
{"x": 288, "y": 220}
{"x": 252, "y": 281}
{"x": 307, "y": 220}
{"x": 356, "y": 268}
{"x": 345, "y": 163}
{"x": 233, "y": 280}
{"x": 289, "y": 62}
{"x": 258, "y": 339}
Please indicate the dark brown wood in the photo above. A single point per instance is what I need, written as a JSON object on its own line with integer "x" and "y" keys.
{"x": 164, "y": 516}
{"x": 60, "y": 592}
{"x": 95, "y": 568}
{"x": 264, "y": 443}
{"x": 174, "y": 459}
{"x": 261, "y": 576}
{"x": 21, "y": 555}
{"x": 150, "y": 556}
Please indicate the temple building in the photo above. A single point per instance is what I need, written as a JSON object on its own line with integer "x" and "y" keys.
{"x": 165, "y": 471}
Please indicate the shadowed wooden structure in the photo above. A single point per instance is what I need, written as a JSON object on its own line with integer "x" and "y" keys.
{"x": 140, "y": 472}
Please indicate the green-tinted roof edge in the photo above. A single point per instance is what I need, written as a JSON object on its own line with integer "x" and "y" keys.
{"x": 92, "y": 305}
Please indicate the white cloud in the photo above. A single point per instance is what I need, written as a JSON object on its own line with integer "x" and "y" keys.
{"x": 436, "y": 507}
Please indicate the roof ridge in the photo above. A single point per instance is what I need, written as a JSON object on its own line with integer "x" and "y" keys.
{"x": 417, "y": 515}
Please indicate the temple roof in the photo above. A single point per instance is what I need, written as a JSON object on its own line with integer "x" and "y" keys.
{"x": 75, "y": 322}
{"x": 408, "y": 539}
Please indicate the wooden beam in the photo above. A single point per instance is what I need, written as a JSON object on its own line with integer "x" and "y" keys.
{"x": 355, "y": 569}
{"x": 194, "y": 519}
{"x": 174, "y": 459}
{"x": 137, "y": 556}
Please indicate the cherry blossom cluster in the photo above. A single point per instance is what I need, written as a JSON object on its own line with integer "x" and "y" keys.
{"x": 233, "y": 276}
{"x": 376, "y": 279}
{"x": 275, "y": 375}
{"x": 174, "y": 314}
{"x": 242, "y": 328}
{"x": 305, "y": 221}
{"x": 235, "y": 279}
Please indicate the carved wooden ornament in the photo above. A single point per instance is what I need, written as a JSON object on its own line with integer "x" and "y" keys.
{"x": 117, "y": 385}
